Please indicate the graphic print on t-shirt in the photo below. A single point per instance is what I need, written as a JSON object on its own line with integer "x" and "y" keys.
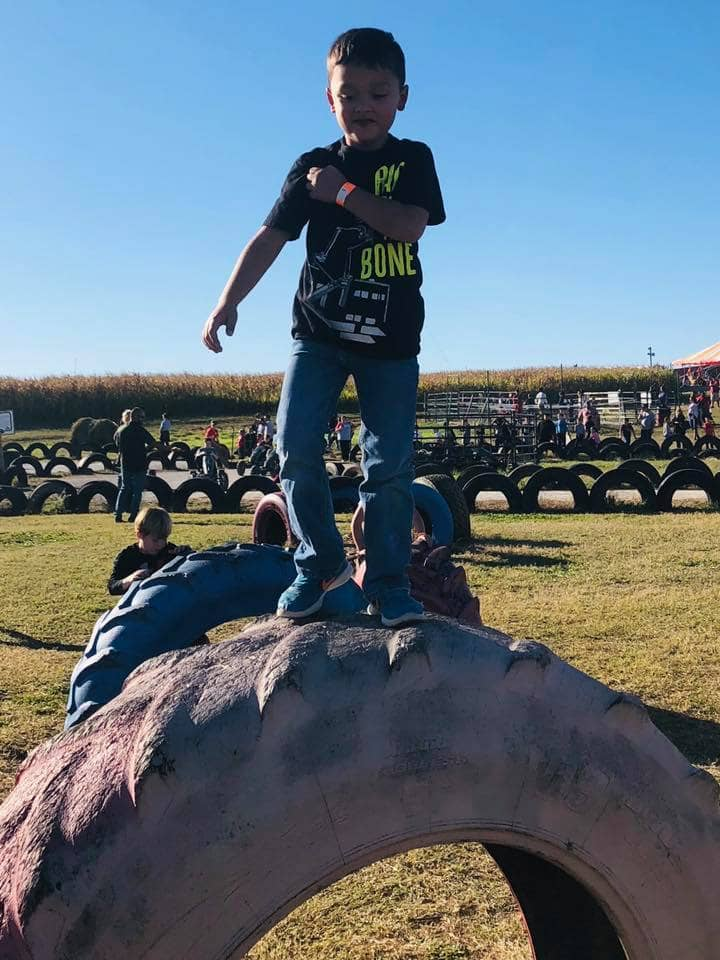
{"x": 362, "y": 298}
{"x": 364, "y": 302}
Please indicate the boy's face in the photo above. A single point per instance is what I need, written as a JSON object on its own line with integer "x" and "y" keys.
{"x": 151, "y": 544}
{"x": 365, "y": 101}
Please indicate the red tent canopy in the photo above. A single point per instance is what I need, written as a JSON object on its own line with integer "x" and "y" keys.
{"x": 709, "y": 357}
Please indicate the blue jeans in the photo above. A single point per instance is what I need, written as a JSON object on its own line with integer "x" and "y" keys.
{"x": 387, "y": 393}
{"x": 130, "y": 491}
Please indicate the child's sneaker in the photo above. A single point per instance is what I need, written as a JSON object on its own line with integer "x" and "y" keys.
{"x": 305, "y": 595}
{"x": 396, "y": 608}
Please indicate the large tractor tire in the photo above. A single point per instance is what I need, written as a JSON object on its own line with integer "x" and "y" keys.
{"x": 227, "y": 784}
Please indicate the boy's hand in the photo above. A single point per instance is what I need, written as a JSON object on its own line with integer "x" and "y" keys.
{"x": 223, "y": 315}
{"x": 142, "y": 574}
{"x": 323, "y": 183}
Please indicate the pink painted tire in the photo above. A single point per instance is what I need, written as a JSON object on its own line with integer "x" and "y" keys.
{"x": 271, "y": 522}
{"x": 227, "y": 784}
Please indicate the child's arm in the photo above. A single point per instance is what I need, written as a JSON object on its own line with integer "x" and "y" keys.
{"x": 252, "y": 264}
{"x": 399, "y": 221}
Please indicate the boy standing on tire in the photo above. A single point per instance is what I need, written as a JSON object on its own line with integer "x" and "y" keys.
{"x": 358, "y": 312}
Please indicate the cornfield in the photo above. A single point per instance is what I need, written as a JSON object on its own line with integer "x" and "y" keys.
{"x": 58, "y": 401}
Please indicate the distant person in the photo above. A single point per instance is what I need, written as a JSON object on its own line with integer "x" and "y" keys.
{"x": 714, "y": 391}
{"x": 594, "y": 436}
{"x": 466, "y": 432}
{"x": 240, "y": 445}
{"x": 258, "y": 457}
{"x": 541, "y": 400}
{"x": 546, "y": 430}
{"x": 268, "y": 429}
{"x": 212, "y": 433}
{"x": 2, "y": 453}
{"x": 165, "y": 430}
{"x": 647, "y": 423}
{"x": 627, "y": 432}
{"x": 694, "y": 415}
{"x": 133, "y": 443}
{"x": 579, "y": 430}
{"x": 680, "y": 423}
{"x": 561, "y": 431}
{"x": 344, "y": 432}
{"x": 709, "y": 426}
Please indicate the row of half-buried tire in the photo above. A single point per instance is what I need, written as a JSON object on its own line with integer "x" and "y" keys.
{"x": 656, "y": 492}
{"x": 78, "y": 499}
{"x": 612, "y": 448}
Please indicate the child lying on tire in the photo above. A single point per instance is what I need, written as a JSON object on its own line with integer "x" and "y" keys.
{"x": 151, "y": 551}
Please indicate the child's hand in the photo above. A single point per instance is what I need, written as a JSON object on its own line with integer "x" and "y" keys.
{"x": 323, "y": 183}
{"x": 223, "y": 315}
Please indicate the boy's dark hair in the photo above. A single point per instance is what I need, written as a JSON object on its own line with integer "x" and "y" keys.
{"x": 368, "y": 47}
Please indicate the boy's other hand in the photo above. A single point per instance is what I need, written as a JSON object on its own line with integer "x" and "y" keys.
{"x": 223, "y": 315}
{"x": 323, "y": 183}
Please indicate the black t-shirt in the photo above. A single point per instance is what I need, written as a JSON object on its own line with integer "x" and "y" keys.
{"x": 357, "y": 288}
{"x": 132, "y": 558}
{"x": 133, "y": 442}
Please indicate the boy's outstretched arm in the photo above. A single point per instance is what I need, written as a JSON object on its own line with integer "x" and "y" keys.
{"x": 399, "y": 221}
{"x": 252, "y": 264}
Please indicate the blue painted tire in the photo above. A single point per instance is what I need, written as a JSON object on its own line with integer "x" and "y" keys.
{"x": 182, "y": 601}
{"x": 435, "y": 513}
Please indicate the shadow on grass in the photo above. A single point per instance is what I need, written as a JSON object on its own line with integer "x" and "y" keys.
{"x": 483, "y": 542}
{"x": 18, "y": 639}
{"x": 494, "y": 558}
{"x": 698, "y": 740}
{"x": 481, "y": 552}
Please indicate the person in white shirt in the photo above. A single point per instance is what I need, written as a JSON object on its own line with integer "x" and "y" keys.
{"x": 165, "y": 430}
{"x": 268, "y": 429}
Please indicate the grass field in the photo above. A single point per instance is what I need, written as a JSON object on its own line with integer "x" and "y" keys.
{"x": 630, "y": 599}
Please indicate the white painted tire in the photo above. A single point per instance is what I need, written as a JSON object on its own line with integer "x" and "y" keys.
{"x": 227, "y": 784}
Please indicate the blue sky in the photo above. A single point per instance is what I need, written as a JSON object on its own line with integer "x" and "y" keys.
{"x": 142, "y": 144}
